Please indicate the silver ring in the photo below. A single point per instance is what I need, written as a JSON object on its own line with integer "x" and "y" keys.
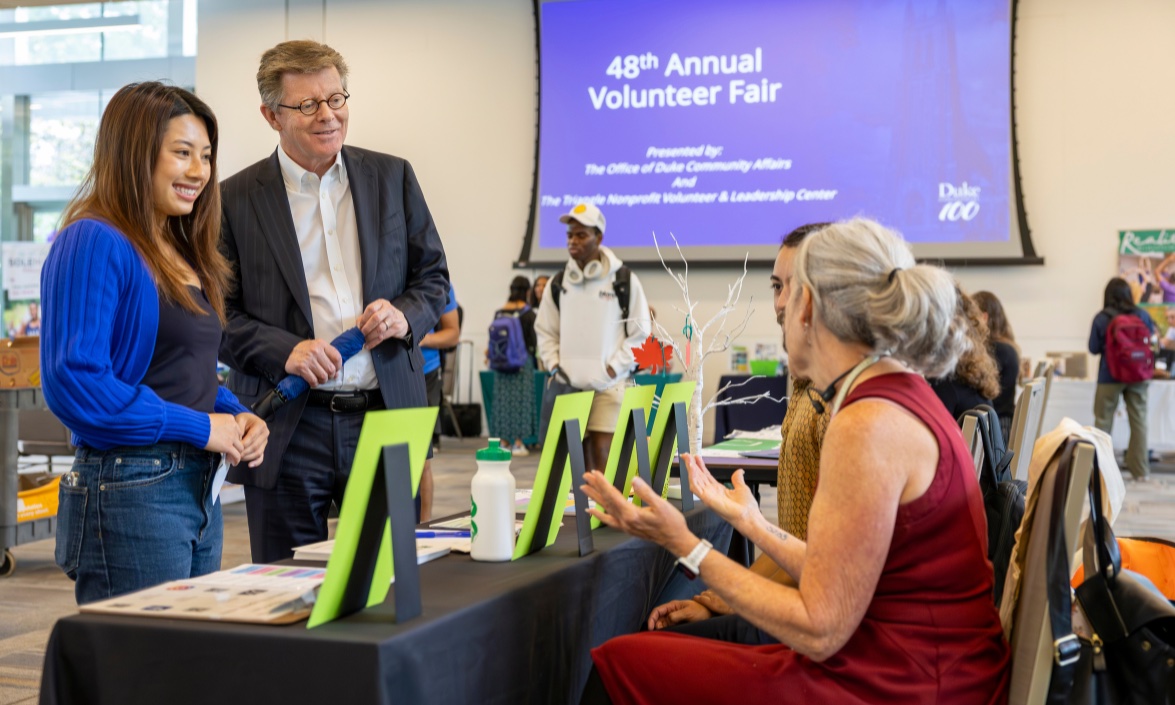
{"x": 387, "y": 326}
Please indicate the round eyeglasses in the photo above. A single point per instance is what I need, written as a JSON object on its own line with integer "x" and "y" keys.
{"x": 310, "y": 105}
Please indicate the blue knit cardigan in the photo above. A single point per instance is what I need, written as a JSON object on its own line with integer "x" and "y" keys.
{"x": 100, "y": 316}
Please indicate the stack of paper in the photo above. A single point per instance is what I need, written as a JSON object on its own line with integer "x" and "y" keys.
{"x": 268, "y": 594}
{"x": 735, "y": 447}
{"x": 426, "y": 550}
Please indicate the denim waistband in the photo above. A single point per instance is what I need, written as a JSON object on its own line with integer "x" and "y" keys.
{"x": 179, "y": 449}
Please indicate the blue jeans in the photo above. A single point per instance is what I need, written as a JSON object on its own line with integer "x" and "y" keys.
{"x": 131, "y": 518}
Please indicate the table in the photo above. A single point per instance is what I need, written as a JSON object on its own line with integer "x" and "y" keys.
{"x": 749, "y": 417}
{"x": 515, "y": 632}
{"x": 1074, "y": 398}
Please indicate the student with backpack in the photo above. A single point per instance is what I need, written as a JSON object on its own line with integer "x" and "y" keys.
{"x": 511, "y": 357}
{"x": 594, "y": 312}
{"x": 1123, "y": 334}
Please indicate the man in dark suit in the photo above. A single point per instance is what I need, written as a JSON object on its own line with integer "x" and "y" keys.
{"x": 321, "y": 237}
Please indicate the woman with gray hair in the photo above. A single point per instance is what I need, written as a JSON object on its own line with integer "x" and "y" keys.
{"x": 894, "y": 601}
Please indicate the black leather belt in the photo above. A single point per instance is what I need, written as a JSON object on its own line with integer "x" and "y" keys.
{"x": 346, "y": 402}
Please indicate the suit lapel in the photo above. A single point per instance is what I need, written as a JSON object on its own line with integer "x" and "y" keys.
{"x": 365, "y": 199}
{"x": 273, "y": 212}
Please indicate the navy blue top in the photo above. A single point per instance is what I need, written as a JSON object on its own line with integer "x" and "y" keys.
{"x": 183, "y": 367}
{"x": 1008, "y": 362}
{"x": 1097, "y": 340}
{"x": 956, "y": 395}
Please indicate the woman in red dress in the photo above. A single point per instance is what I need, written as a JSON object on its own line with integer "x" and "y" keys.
{"x": 894, "y": 603}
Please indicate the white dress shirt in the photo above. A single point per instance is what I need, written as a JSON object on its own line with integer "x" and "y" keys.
{"x": 324, "y": 220}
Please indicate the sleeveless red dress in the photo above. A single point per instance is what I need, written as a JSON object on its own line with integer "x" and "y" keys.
{"x": 931, "y": 634}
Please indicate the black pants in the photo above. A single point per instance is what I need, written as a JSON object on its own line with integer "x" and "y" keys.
{"x": 313, "y": 476}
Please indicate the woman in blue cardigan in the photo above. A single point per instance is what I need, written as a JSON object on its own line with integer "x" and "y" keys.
{"x": 133, "y": 308}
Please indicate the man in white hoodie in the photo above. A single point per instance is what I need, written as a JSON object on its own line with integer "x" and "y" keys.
{"x": 584, "y": 337}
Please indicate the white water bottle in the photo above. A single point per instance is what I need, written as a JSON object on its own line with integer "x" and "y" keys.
{"x": 492, "y": 499}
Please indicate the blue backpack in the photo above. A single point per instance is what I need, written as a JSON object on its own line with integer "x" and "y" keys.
{"x": 507, "y": 345}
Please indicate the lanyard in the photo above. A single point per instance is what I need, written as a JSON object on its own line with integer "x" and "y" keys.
{"x": 852, "y": 377}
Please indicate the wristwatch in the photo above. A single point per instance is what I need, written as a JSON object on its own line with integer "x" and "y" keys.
{"x": 691, "y": 565}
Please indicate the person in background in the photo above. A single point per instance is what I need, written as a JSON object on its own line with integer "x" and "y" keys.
{"x": 32, "y": 325}
{"x": 536, "y": 294}
{"x": 1117, "y": 301}
{"x": 1167, "y": 342}
{"x": 1165, "y": 278}
{"x": 133, "y": 291}
{"x": 799, "y": 470}
{"x": 443, "y": 337}
{"x": 323, "y": 237}
{"x": 535, "y": 298}
{"x": 585, "y": 339}
{"x": 1006, "y": 353}
{"x": 893, "y": 596}
{"x": 975, "y": 379}
{"x": 513, "y": 407}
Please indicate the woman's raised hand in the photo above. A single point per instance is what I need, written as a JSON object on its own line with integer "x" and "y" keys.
{"x": 737, "y": 506}
{"x": 657, "y": 521}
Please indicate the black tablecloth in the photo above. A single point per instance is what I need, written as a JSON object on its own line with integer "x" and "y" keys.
{"x": 749, "y": 417}
{"x": 517, "y": 632}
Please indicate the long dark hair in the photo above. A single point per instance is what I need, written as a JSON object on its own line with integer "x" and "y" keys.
{"x": 118, "y": 190}
{"x": 977, "y": 368}
{"x": 997, "y": 320}
{"x": 519, "y": 289}
{"x": 1118, "y": 297}
{"x": 533, "y": 296}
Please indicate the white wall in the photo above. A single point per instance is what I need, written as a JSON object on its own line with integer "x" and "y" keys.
{"x": 450, "y": 85}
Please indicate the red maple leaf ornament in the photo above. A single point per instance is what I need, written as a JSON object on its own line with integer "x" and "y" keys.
{"x": 652, "y": 355}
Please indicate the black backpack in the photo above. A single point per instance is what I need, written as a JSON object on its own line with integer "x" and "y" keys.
{"x": 1003, "y": 496}
{"x": 622, "y": 286}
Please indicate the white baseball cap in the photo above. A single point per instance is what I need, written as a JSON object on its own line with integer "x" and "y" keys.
{"x": 585, "y": 214}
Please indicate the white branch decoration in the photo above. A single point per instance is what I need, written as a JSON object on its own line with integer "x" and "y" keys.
{"x": 719, "y": 340}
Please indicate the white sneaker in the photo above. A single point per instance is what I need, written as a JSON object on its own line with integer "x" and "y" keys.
{"x": 519, "y": 451}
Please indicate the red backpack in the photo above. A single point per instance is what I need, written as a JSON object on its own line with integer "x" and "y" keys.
{"x": 1129, "y": 355}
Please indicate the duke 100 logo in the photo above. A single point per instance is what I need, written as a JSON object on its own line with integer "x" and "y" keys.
{"x": 958, "y": 202}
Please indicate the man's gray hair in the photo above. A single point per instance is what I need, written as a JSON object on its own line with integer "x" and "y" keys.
{"x": 297, "y": 56}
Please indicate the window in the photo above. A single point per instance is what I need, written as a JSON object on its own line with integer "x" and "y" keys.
{"x": 47, "y": 123}
{"x": 109, "y": 31}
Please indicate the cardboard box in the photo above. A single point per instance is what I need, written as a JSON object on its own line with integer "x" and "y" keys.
{"x": 20, "y": 362}
{"x": 1074, "y": 365}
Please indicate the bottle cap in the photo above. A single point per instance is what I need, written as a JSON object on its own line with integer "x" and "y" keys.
{"x": 494, "y": 451}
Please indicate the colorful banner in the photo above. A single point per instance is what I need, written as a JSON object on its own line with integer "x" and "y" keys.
{"x": 1146, "y": 260}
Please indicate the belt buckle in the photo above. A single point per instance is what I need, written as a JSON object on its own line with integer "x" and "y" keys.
{"x": 349, "y": 402}
{"x": 334, "y": 409}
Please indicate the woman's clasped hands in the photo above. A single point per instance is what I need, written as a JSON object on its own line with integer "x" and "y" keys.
{"x": 241, "y": 438}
